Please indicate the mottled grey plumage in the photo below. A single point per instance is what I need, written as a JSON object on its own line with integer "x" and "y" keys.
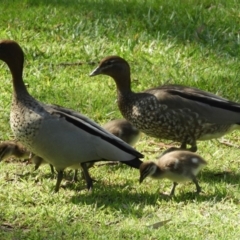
{"x": 173, "y": 112}
{"x": 178, "y": 166}
{"x": 60, "y": 136}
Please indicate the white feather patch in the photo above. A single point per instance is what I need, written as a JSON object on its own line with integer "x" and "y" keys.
{"x": 195, "y": 160}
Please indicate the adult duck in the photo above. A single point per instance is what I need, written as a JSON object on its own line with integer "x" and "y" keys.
{"x": 173, "y": 112}
{"x": 60, "y": 136}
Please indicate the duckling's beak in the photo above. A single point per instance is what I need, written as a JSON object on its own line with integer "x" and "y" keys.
{"x": 96, "y": 71}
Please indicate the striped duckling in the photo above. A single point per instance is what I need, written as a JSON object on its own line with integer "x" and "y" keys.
{"x": 173, "y": 112}
{"x": 13, "y": 149}
{"x": 178, "y": 166}
{"x": 60, "y": 136}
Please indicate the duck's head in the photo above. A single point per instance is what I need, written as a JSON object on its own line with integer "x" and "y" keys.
{"x": 147, "y": 169}
{"x": 112, "y": 66}
{"x": 11, "y": 53}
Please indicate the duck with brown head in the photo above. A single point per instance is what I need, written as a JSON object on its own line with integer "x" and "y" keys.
{"x": 60, "y": 136}
{"x": 173, "y": 112}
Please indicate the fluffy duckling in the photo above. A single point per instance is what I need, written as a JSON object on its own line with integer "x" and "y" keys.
{"x": 178, "y": 166}
{"x": 124, "y": 130}
{"x": 11, "y": 148}
{"x": 178, "y": 113}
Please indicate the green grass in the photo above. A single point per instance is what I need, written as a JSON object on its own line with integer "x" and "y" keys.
{"x": 195, "y": 43}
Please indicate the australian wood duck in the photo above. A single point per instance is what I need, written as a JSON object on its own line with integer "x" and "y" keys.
{"x": 60, "y": 136}
{"x": 178, "y": 166}
{"x": 118, "y": 127}
{"x": 174, "y": 112}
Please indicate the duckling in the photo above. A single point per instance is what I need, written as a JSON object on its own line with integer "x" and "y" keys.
{"x": 60, "y": 136}
{"x": 16, "y": 149}
{"x": 124, "y": 130}
{"x": 178, "y": 166}
{"x": 178, "y": 113}
{"x": 11, "y": 148}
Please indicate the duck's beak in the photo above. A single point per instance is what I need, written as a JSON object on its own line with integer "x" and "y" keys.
{"x": 95, "y": 72}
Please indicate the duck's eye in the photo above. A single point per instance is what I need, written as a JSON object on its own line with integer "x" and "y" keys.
{"x": 109, "y": 62}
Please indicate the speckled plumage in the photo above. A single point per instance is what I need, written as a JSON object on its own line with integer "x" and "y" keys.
{"x": 160, "y": 121}
{"x": 172, "y": 112}
{"x": 25, "y": 119}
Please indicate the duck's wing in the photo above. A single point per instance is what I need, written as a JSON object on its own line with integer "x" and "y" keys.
{"x": 212, "y": 108}
{"x": 83, "y": 122}
{"x": 196, "y": 94}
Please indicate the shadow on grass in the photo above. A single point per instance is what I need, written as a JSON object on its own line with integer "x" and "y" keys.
{"x": 203, "y": 23}
{"x": 122, "y": 198}
{"x": 129, "y": 200}
{"x": 213, "y": 177}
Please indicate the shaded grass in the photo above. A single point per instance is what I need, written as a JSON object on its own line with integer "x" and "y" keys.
{"x": 194, "y": 43}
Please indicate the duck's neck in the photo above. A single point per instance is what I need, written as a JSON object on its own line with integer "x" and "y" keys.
{"x": 19, "y": 89}
{"x": 123, "y": 83}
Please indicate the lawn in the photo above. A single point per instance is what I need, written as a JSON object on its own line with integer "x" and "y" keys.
{"x": 194, "y": 43}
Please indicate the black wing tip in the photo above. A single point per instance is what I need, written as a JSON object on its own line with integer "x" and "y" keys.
{"x": 135, "y": 163}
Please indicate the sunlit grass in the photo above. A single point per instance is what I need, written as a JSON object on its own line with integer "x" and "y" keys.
{"x": 195, "y": 43}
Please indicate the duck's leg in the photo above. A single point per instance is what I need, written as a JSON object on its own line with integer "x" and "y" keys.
{"x": 183, "y": 145}
{"x": 37, "y": 160}
{"x": 75, "y": 178}
{"x": 59, "y": 180}
{"x": 87, "y": 176}
{"x": 173, "y": 188}
{"x": 37, "y": 165}
{"x": 193, "y": 147}
{"x": 52, "y": 169}
{"x": 197, "y": 185}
